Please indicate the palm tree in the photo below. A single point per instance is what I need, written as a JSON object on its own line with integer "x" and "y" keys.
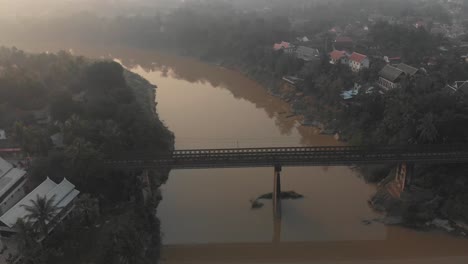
{"x": 30, "y": 250}
{"x": 41, "y": 213}
{"x": 427, "y": 130}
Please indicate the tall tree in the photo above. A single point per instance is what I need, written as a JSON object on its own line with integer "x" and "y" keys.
{"x": 41, "y": 213}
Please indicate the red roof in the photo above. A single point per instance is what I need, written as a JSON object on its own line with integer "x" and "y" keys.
{"x": 337, "y": 54}
{"x": 357, "y": 57}
{"x": 282, "y": 45}
{"x": 344, "y": 39}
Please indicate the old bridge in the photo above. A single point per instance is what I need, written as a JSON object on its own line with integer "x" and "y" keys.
{"x": 277, "y": 158}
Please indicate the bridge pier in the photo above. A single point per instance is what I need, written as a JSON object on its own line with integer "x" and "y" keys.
{"x": 409, "y": 174}
{"x": 404, "y": 175}
{"x": 277, "y": 192}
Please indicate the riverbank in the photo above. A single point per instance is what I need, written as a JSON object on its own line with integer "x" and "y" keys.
{"x": 302, "y": 104}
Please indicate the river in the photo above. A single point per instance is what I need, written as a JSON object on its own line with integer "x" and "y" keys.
{"x": 206, "y": 215}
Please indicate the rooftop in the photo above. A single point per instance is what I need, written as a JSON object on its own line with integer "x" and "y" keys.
{"x": 8, "y": 176}
{"x": 390, "y": 73}
{"x": 357, "y": 57}
{"x": 337, "y": 54}
{"x": 62, "y": 193}
{"x": 282, "y": 45}
{"x": 307, "y": 53}
{"x": 343, "y": 39}
{"x": 407, "y": 69}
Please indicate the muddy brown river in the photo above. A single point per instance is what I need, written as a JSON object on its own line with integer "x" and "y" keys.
{"x": 206, "y": 215}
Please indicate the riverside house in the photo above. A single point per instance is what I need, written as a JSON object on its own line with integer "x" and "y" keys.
{"x": 358, "y": 61}
{"x": 391, "y": 76}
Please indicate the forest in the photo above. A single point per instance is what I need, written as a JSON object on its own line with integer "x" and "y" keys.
{"x": 99, "y": 109}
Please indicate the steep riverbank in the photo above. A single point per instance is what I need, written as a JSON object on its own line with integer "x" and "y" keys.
{"x": 151, "y": 180}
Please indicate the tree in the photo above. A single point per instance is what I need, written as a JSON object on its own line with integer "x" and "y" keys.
{"x": 41, "y": 213}
{"x": 427, "y": 130}
{"x": 31, "y": 251}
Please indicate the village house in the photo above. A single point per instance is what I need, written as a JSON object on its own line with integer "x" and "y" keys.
{"x": 307, "y": 54}
{"x": 12, "y": 182}
{"x": 343, "y": 43}
{"x": 390, "y": 76}
{"x": 358, "y": 61}
{"x": 338, "y": 56}
{"x": 63, "y": 194}
{"x": 458, "y": 86}
{"x": 303, "y": 39}
{"x": 285, "y": 46}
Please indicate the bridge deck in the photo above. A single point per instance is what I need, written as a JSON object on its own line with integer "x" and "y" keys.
{"x": 295, "y": 156}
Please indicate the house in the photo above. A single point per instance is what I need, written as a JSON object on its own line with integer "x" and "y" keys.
{"x": 459, "y": 86}
{"x": 343, "y": 43}
{"x": 338, "y": 56}
{"x": 12, "y": 182}
{"x": 63, "y": 194}
{"x": 390, "y": 76}
{"x": 358, "y": 61}
{"x": 307, "y": 54}
{"x": 285, "y": 46}
{"x": 303, "y": 39}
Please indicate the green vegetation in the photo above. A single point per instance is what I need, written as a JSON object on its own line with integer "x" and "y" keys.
{"x": 100, "y": 110}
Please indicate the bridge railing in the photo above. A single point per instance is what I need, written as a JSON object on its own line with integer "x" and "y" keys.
{"x": 299, "y": 155}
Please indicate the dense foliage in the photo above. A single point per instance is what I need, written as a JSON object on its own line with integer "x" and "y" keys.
{"x": 92, "y": 107}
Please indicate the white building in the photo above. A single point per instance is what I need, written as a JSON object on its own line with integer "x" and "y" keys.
{"x": 12, "y": 182}
{"x": 63, "y": 195}
{"x": 358, "y": 61}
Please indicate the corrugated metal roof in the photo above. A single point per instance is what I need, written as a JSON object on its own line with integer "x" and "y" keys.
{"x": 8, "y": 176}
{"x": 63, "y": 194}
{"x": 9, "y": 179}
{"x": 390, "y": 73}
{"x": 5, "y": 166}
{"x": 407, "y": 69}
{"x": 306, "y": 53}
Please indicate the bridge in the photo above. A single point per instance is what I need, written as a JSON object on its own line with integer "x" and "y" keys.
{"x": 293, "y": 156}
{"x": 404, "y": 156}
